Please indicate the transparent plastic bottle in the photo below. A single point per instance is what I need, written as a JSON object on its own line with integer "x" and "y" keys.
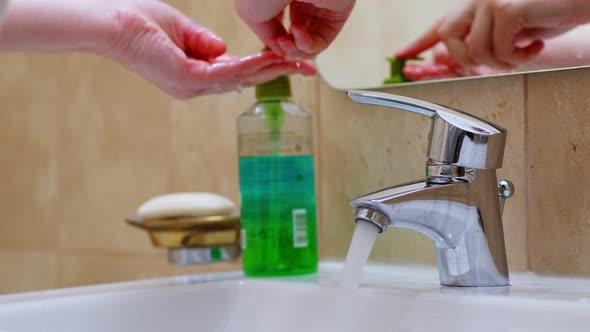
{"x": 277, "y": 185}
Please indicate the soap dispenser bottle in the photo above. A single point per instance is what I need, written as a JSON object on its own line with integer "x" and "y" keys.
{"x": 277, "y": 186}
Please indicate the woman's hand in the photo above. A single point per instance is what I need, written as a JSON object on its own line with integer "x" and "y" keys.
{"x": 444, "y": 66}
{"x": 500, "y": 34}
{"x": 185, "y": 59}
{"x": 151, "y": 38}
{"x": 314, "y": 24}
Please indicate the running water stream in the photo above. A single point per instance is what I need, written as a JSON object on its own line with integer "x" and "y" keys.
{"x": 358, "y": 253}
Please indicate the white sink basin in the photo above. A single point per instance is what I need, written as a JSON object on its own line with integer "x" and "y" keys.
{"x": 391, "y": 299}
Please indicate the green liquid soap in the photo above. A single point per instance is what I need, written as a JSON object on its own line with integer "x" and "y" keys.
{"x": 279, "y": 228}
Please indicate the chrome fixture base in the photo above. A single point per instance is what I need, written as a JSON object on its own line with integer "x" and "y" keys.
{"x": 192, "y": 256}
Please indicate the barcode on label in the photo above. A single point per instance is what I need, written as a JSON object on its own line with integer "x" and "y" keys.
{"x": 243, "y": 238}
{"x": 300, "y": 228}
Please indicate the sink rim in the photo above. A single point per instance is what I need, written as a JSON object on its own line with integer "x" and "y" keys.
{"x": 392, "y": 278}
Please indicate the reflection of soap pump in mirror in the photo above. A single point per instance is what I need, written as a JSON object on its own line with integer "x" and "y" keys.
{"x": 396, "y": 70}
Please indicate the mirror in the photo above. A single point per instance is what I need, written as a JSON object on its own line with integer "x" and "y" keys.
{"x": 378, "y": 28}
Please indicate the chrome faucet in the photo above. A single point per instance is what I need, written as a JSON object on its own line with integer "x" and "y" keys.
{"x": 459, "y": 204}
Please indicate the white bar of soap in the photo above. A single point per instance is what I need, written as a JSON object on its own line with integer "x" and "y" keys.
{"x": 186, "y": 205}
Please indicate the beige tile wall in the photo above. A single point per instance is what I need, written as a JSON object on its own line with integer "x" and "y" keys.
{"x": 28, "y": 153}
{"x": 83, "y": 143}
{"x": 27, "y": 269}
{"x": 558, "y": 155}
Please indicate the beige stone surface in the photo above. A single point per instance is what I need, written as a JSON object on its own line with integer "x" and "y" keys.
{"x": 23, "y": 270}
{"x": 557, "y": 161}
{"x": 28, "y": 152}
{"x": 113, "y": 152}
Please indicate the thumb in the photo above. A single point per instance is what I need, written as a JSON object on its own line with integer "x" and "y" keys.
{"x": 201, "y": 43}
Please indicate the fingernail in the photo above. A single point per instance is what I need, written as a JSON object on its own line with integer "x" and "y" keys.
{"x": 402, "y": 53}
{"x": 289, "y": 48}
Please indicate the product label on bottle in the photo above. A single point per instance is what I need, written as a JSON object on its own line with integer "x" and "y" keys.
{"x": 299, "y": 228}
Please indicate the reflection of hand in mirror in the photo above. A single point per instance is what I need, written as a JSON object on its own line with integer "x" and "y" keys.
{"x": 314, "y": 24}
{"x": 444, "y": 66}
{"x": 501, "y": 34}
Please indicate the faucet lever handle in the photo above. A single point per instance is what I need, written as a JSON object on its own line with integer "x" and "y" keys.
{"x": 456, "y": 138}
{"x": 394, "y": 101}
{"x": 456, "y": 118}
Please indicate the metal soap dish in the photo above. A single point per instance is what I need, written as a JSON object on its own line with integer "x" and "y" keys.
{"x": 194, "y": 240}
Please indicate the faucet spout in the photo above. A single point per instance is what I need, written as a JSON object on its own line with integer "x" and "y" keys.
{"x": 404, "y": 206}
{"x": 461, "y": 217}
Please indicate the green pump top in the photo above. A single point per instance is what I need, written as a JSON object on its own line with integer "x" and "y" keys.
{"x": 271, "y": 94}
